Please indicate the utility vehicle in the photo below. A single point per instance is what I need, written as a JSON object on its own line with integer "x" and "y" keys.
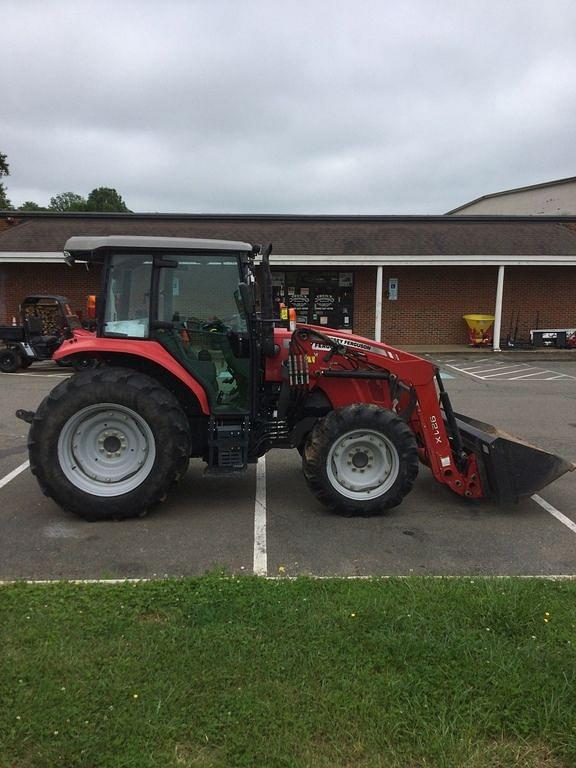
{"x": 44, "y": 323}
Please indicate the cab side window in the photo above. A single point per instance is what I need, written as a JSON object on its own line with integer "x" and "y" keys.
{"x": 128, "y": 296}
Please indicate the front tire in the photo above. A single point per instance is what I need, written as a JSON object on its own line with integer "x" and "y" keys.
{"x": 360, "y": 460}
{"x": 108, "y": 444}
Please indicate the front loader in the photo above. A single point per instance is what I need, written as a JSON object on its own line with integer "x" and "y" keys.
{"x": 193, "y": 363}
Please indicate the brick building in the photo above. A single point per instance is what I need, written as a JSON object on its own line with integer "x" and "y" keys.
{"x": 407, "y": 278}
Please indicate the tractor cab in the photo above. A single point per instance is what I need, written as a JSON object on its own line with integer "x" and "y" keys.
{"x": 187, "y": 295}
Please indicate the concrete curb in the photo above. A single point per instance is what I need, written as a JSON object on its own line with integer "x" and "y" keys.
{"x": 519, "y": 355}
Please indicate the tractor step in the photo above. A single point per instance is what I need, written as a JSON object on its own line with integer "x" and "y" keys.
{"x": 222, "y": 472}
{"x": 227, "y": 446}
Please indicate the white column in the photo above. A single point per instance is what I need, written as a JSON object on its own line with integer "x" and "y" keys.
{"x": 498, "y": 310}
{"x": 378, "y": 318}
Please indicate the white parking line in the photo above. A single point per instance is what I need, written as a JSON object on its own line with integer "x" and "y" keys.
{"x": 553, "y": 511}
{"x": 538, "y": 373}
{"x": 260, "y": 552}
{"x": 476, "y": 368}
{"x": 475, "y": 362}
{"x": 510, "y": 372}
{"x": 501, "y": 368}
{"x": 14, "y": 473}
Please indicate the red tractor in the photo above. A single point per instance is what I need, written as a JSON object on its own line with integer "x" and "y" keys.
{"x": 193, "y": 363}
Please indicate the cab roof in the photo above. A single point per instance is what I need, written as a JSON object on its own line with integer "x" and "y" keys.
{"x": 81, "y": 247}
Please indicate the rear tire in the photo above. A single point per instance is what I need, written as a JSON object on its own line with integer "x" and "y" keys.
{"x": 360, "y": 460}
{"x": 108, "y": 443}
{"x": 10, "y": 360}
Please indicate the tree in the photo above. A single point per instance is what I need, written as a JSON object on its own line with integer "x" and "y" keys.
{"x": 30, "y": 205}
{"x": 67, "y": 201}
{"x": 5, "y": 204}
{"x": 106, "y": 200}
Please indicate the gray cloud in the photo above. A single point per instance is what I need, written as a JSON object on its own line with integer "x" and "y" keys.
{"x": 321, "y": 106}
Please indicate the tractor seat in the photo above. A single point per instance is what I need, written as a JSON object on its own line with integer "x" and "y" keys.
{"x": 46, "y": 340}
{"x": 35, "y": 326}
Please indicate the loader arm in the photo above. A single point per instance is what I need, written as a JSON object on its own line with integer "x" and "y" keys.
{"x": 474, "y": 460}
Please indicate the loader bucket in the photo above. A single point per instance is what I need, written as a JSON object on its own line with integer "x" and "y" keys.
{"x": 510, "y": 468}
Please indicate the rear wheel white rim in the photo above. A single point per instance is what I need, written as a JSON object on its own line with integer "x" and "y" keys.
{"x": 362, "y": 464}
{"x": 106, "y": 449}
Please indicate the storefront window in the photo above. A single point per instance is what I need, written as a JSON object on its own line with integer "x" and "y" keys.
{"x": 319, "y": 298}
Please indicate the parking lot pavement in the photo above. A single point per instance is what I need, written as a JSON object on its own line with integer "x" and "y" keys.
{"x": 207, "y": 523}
{"x": 21, "y": 390}
{"x": 506, "y": 369}
{"x": 432, "y": 532}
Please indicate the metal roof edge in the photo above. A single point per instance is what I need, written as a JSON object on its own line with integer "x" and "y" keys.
{"x": 32, "y": 257}
{"x": 27, "y": 216}
{"x": 350, "y": 260}
{"x": 542, "y": 184}
{"x": 421, "y": 260}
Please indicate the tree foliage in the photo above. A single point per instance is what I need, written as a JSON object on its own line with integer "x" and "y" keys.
{"x": 5, "y": 204}
{"x": 67, "y": 201}
{"x": 100, "y": 200}
{"x": 106, "y": 200}
{"x": 30, "y": 205}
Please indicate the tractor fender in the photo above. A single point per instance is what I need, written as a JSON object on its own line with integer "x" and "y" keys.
{"x": 152, "y": 351}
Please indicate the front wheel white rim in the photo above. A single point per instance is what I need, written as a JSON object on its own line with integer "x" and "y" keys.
{"x": 362, "y": 464}
{"x": 106, "y": 449}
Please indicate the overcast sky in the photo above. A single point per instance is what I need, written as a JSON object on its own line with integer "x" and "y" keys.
{"x": 266, "y": 106}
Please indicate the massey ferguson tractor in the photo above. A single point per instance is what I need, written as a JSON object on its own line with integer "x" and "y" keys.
{"x": 193, "y": 363}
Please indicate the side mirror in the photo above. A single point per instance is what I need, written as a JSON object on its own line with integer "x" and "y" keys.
{"x": 247, "y": 297}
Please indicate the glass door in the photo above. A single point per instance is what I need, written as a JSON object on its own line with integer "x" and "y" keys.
{"x": 202, "y": 324}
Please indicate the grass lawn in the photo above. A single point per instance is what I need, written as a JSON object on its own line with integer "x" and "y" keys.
{"x": 279, "y": 674}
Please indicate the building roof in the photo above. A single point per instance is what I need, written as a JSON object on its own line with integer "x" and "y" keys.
{"x": 542, "y": 185}
{"x": 309, "y": 240}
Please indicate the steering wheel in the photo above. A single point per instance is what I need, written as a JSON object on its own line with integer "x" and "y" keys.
{"x": 214, "y": 326}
